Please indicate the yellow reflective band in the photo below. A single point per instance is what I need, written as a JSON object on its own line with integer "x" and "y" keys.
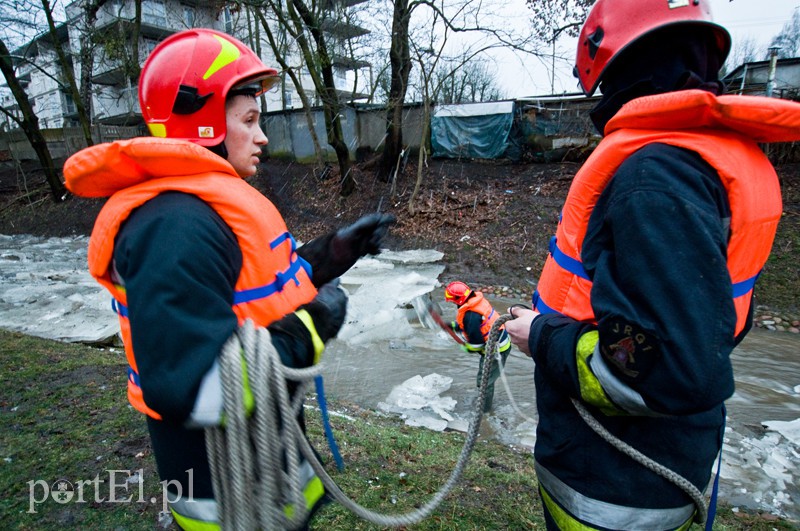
{"x": 190, "y": 524}
{"x": 248, "y": 400}
{"x": 471, "y": 347}
{"x": 312, "y": 492}
{"x": 591, "y": 390}
{"x": 159, "y": 130}
{"x": 319, "y": 346}
{"x": 228, "y": 54}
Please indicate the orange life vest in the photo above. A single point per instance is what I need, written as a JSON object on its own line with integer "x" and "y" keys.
{"x": 478, "y": 304}
{"x": 724, "y": 131}
{"x": 274, "y": 280}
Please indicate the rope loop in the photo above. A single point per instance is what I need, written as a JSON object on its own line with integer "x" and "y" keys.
{"x": 255, "y": 460}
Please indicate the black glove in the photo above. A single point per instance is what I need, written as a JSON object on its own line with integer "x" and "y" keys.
{"x": 332, "y": 255}
{"x": 328, "y": 310}
{"x": 365, "y": 236}
{"x": 292, "y": 338}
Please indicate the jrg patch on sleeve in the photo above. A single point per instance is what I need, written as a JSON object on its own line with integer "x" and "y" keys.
{"x": 629, "y": 348}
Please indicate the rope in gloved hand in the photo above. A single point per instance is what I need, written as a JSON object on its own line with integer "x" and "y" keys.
{"x": 671, "y": 476}
{"x": 251, "y": 484}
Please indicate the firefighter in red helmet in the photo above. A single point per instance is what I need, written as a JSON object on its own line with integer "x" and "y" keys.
{"x": 474, "y": 319}
{"x": 649, "y": 282}
{"x": 189, "y": 251}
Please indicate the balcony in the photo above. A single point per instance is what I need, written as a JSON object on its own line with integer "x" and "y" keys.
{"x": 348, "y": 63}
{"x": 118, "y": 107}
{"x": 338, "y": 4}
{"x": 343, "y": 30}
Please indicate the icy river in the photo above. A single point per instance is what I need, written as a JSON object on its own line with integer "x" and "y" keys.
{"x": 386, "y": 359}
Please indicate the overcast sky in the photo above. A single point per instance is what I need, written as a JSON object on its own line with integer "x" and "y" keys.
{"x": 759, "y": 19}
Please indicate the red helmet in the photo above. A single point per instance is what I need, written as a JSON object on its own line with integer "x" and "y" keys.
{"x": 186, "y": 78}
{"x": 612, "y": 25}
{"x": 457, "y": 292}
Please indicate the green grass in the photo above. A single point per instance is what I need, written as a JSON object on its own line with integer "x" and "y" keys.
{"x": 779, "y": 283}
{"x": 65, "y": 416}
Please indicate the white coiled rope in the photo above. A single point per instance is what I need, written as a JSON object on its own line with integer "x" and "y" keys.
{"x": 255, "y": 461}
{"x": 251, "y": 484}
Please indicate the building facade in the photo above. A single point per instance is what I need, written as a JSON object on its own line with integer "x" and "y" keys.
{"x": 110, "y": 37}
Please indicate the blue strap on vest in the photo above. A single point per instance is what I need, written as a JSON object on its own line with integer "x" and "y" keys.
{"x": 745, "y": 286}
{"x": 281, "y": 277}
{"x": 119, "y": 308}
{"x": 539, "y": 305}
{"x": 576, "y": 268}
{"x": 567, "y": 262}
{"x": 133, "y": 376}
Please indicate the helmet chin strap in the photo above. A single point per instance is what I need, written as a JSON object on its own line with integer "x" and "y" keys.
{"x": 219, "y": 149}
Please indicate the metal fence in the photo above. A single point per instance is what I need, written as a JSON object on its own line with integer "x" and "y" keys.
{"x": 61, "y": 142}
{"x": 545, "y": 129}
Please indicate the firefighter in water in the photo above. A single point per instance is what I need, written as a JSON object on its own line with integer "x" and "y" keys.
{"x": 649, "y": 283}
{"x": 189, "y": 251}
{"x": 474, "y": 319}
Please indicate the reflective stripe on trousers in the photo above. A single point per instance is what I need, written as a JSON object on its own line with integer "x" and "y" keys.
{"x": 201, "y": 514}
{"x": 570, "y": 509}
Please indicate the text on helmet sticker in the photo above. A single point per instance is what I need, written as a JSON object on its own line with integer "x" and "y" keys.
{"x": 677, "y": 3}
{"x": 205, "y": 132}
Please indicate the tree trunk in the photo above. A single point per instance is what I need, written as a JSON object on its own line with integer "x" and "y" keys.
{"x": 87, "y": 56}
{"x": 330, "y": 100}
{"x": 69, "y": 74}
{"x": 30, "y": 125}
{"x": 423, "y": 152}
{"x": 279, "y": 56}
{"x": 400, "y": 58}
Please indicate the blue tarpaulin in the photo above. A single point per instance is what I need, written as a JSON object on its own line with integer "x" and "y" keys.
{"x": 472, "y": 130}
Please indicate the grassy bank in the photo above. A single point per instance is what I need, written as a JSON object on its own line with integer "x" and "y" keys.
{"x": 65, "y": 416}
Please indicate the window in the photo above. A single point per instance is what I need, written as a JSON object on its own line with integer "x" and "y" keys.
{"x": 188, "y": 16}
{"x": 69, "y": 104}
{"x": 154, "y": 13}
{"x": 227, "y": 17}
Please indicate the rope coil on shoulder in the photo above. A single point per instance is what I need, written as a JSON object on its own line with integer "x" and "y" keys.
{"x": 255, "y": 460}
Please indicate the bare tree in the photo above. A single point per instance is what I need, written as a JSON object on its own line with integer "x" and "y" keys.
{"x": 306, "y": 22}
{"x": 745, "y": 50}
{"x": 69, "y": 74}
{"x": 466, "y": 81}
{"x": 788, "y": 39}
{"x": 474, "y": 18}
{"x": 21, "y": 22}
{"x": 400, "y": 70}
{"x": 553, "y": 17}
{"x": 86, "y": 53}
{"x": 279, "y": 47}
{"x": 462, "y": 74}
{"x": 29, "y": 123}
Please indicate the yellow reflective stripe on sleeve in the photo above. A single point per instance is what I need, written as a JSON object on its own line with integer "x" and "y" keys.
{"x": 591, "y": 390}
{"x": 190, "y": 524}
{"x": 319, "y": 346}
{"x": 313, "y": 492}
